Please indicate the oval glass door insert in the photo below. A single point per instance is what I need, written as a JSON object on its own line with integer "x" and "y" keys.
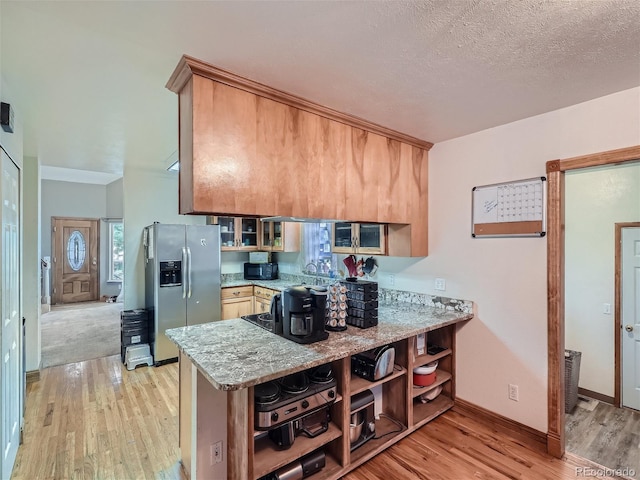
{"x": 76, "y": 250}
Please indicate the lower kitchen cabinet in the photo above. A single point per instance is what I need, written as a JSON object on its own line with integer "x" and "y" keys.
{"x": 245, "y": 300}
{"x": 262, "y": 298}
{"x": 236, "y": 301}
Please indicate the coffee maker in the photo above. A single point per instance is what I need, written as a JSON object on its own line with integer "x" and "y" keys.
{"x": 303, "y": 311}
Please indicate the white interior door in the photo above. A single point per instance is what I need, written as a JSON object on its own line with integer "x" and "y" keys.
{"x": 630, "y": 317}
{"x": 10, "y": 385}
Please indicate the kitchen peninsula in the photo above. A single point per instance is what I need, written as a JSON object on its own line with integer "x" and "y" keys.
{"x": 222, "y": 362}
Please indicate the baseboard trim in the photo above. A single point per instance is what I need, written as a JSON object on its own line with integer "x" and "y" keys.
{"x": 33, "y": 376}
{"x": 534, "y": 438}
{"x": 596, "y": 395}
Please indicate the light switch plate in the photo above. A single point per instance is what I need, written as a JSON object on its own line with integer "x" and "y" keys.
{"x": 440, "y": 284}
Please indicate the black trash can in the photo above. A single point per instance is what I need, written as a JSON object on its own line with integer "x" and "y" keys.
{"x": 571, "y": 378}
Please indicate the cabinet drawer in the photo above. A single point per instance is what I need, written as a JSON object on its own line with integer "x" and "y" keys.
{"x": 265, "y": 293}
{"x": 236, "y": 292}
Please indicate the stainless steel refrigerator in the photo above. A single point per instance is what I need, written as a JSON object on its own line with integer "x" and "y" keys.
{"x": 182, "y": 280}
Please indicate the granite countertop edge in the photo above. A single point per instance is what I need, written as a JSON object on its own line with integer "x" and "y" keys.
{"x": 235, "y": 354}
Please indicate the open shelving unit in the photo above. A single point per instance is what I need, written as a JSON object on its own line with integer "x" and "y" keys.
{"x": 267, "y": 459}
{"x": 402, "y": 410}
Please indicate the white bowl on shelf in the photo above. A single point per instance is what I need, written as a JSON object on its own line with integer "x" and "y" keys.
{"x": 431, "y": 394}
{"x": 426, "y": 369}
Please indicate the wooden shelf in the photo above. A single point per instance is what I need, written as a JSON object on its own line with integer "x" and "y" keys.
{"x": 331, "y": 467}
{"x": 441, "y": 377}
{"x": 359, "y": 384}
{"x": 267, "y": 458}
{"x": 426, "y": 358}
{"x": 425, "y": 412}
{"x": 382, "y": 440}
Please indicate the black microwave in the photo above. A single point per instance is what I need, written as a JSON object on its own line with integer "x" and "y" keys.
{"x": 260, "y": 271}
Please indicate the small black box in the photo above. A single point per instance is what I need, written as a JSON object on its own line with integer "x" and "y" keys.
{"x": 370, "y": 305}
{"x": 359, "y": 313}
{"x": 365, "y": 286}
{"x": 6, "y": 117}
{"x": 362, "y": 322}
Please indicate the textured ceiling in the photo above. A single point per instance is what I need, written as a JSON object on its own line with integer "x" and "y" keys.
{"x": 88, "y": 77}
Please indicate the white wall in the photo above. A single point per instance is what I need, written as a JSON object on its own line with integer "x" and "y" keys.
{"x": 149, "y": 196}
{"x": 115, "y": 199}
{"x": 31, "y": 279}
{"x": 506, "y": 342}
{"x": 69, "y": 199}
{"x": 596, "y": 199}
{"x": 114, "y": 209}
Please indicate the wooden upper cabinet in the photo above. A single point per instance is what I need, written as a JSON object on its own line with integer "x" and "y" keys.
{"x": 280, "y": 236}
{"x": 250, "y": 150}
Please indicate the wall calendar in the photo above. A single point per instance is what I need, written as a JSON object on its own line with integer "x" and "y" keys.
{"x": 509, "y": 209}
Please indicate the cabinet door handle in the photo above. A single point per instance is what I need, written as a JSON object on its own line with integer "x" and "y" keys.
{"x": 236, "y": 293}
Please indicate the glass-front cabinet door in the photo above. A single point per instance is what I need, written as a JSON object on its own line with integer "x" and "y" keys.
{"x": 371, "y": 238}
{"x": 364, "y": 238}
{"x": 273, "y": 236}
{"x": 227, "y": 233}
{"x": 238, "y": 233}
{"x": 343, "y": 237}
{"x": 249, "y": 233}
{"x": 280, "y": 237}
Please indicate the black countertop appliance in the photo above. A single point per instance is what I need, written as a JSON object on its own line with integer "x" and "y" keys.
{"x": 303, "y": 310}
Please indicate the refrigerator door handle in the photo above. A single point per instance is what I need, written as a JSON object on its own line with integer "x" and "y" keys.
{"x": 184, "y": 263}
{"x": 189, "y": 267}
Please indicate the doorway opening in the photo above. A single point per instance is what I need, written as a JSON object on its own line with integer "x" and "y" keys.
{"x": 596, "y": 427}
{"x": 83, "y": 322}
{"x": 555, "y": 282}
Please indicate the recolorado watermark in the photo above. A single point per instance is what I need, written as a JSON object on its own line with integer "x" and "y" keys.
{"x": 604, "y": 472}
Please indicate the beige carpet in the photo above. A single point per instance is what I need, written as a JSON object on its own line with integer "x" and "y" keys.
{"x": 80, "y": 331}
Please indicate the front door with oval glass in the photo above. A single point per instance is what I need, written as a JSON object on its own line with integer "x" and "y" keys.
{"x": 75, "y": 259}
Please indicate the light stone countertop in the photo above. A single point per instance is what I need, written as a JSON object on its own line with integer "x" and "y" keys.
{"x": 235, "y": 354}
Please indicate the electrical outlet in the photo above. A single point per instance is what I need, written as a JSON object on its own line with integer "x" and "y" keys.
{"x": 440, "y": 284}
{"x": 606, "y": 308}
{"x": 513, "y": 392}
{"x": 392, "y": 279}
{"x": 215, "y": 453}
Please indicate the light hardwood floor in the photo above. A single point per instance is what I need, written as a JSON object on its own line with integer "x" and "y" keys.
{"x": 96, "y": 420}
{"x": 605, "y": 434}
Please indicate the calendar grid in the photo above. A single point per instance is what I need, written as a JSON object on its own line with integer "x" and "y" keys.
{"x": 510, "y": 208}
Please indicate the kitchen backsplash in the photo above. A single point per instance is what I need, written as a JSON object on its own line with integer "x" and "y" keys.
{"x": 385, "y": 295}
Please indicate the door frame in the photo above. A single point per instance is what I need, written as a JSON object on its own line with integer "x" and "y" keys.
{"x": 56, "y": 298}
{"x": 617, "y": 306}
{"x": 555, "y": 281}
